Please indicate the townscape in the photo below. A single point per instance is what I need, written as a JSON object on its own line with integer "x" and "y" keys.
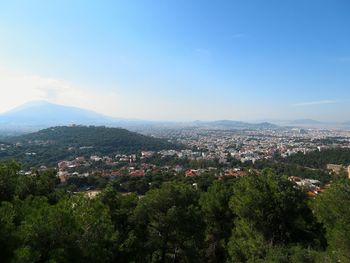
{"x": 178, "y": 131}
{"x": 210, "y": 151}
{"x": 197, "y": 173}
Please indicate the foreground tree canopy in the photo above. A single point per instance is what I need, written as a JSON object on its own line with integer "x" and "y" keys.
{"x": 259, "y": 218}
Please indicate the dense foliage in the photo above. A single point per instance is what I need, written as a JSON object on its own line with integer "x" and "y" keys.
{"x": 258, "y": 218}
{"x": 320, "y": 159}
{"x": 311, "y": 165}
{"x": 282, "y": 167}
{"x": 58, "y": 143}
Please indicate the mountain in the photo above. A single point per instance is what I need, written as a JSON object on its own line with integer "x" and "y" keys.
{"x": 229, "y": 124}
{"x": 57, "y": 143}
{"x": 45, "y": 114}
{"x": 36, "y": 115}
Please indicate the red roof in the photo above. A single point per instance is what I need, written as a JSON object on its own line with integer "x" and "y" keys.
{"x": 137, "y": 173}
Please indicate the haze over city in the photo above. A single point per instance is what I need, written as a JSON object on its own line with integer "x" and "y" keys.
{"x": 179, "y": 60}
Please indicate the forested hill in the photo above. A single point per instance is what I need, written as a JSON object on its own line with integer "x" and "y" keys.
{"x": 115, "y": 138}
{"x": 57, "y": 143}
{"x": 320, "y": 159}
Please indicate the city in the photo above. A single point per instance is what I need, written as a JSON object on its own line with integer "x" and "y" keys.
{"x": 176, "y": 131}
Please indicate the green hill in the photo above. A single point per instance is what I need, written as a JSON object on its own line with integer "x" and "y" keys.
{"x": 51, "y": 145}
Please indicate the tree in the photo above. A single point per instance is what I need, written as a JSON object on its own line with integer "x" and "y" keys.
{"x": 332, "y": 208}
{"x": 8, "y": 179}
{"x": 97, "y": 237}
{"x": 171, "y": 224}
{"x": 38, "y": 184}
{"x": 75, "y": 229}
{"x": 219, "y": 220}
{"x": 271, "y": 211}
{"x": 47, "y": 232}
{"x": 121, "y": 208}
{"x": 7, "y": 231}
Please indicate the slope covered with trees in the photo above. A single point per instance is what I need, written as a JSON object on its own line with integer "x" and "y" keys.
{"x": 54, "y": 144}
{"x": 320, "y": 159}
{"x": 258, "y": 218}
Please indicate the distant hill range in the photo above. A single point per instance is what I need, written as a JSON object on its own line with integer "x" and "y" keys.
{"x": 51, "y": 145}
{"x": 318, "y": 124}
{"x": 37, "y": 115}
{"x": 228, "y": 125}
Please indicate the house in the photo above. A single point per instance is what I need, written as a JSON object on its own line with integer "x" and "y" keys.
{"x": 192, "y": 173}
{"x": 178, "y": 168}
{"x": 115, "y": 174}
{"x": 137, "y": 173}
{"x": 335, "y": 168}
{"x": 147, "y": 154}
{"x": 235, "y": 172}
{"x": 294, "y": 179}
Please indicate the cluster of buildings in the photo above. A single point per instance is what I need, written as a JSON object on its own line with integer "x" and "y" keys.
{"x": 335, "y": 168}
{"x": 132, "y": 166}
{"x": 311, "y": 186}
{"x": 253, "y": 145}
{"x": 248, "y": 145}
{"x": 100, "y": 165}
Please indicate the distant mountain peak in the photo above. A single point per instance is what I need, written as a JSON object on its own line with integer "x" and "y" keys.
{"x": 43, "y": 113}
{"x": 29, "y": 104}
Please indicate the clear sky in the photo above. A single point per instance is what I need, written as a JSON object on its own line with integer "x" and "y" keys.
{"x": 179, "y": 59}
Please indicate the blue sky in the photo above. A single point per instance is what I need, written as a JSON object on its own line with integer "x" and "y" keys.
{"x": 180, "y": 59}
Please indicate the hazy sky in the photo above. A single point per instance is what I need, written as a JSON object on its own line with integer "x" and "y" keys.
{"x": 179, "y": 59}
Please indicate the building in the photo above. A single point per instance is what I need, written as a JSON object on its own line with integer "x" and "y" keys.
{"x": 335, "y": 168}
{"x": 338, "y": 168}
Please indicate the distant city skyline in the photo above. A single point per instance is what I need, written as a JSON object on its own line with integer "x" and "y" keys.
{"x": 179, "y": 60}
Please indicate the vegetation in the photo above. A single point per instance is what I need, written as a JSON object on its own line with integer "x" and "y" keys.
{"x": 271, "y": 213}
{"x": 311, "y": 165}
{"x": 333, "y": 210}
{"x": 320, "y": 159}
{"x": 258, "y": 218}
{"x": 47, "y": 147}
{"x": 282, "y": 167}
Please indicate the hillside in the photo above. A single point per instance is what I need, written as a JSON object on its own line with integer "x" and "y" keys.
{"x": 57, "y": 143}
{"x": 320, "y": 159}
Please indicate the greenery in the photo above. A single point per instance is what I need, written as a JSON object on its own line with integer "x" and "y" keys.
{"x": 320, "y": 159}
{"x": 333, "y": 210}
{"x": 290, "y": 169}
{"x": 59, "y": 143}
{"x": 262, "y": 217}
{"x": 311, "y": 165}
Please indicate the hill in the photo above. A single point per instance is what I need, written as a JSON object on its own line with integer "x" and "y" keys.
{"x": 51, "y": 145}
{"x": 229, "y": 124}
{"x": 320, "y": 159}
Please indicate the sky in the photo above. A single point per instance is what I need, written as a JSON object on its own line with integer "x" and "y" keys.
{"x": 179, "y": 59}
